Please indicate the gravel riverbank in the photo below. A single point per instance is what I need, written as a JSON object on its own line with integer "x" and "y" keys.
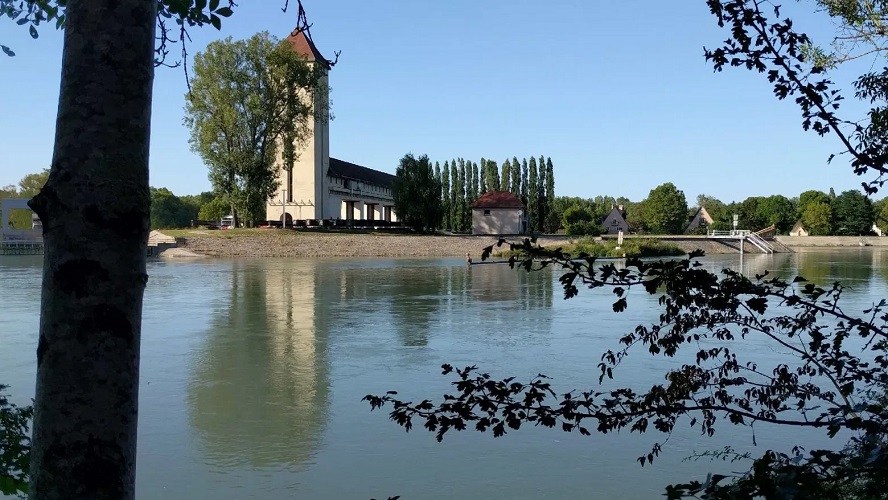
{"x": 269, "y": 243}
{"x": 276, "y": 243}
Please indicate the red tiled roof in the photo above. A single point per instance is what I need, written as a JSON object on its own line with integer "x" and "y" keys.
{"x": 497, "y": 199}
{"x": 304, "y": 46}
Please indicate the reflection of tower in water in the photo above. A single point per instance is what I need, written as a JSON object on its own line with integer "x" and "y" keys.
{"x": 259, "y": 392}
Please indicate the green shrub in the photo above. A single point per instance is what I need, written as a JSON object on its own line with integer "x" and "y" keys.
{"x": 584, "y": 228}
{"x": 15, "y": 446}
{"x": 214, "y": 210}
{"x": 632, "y": 247}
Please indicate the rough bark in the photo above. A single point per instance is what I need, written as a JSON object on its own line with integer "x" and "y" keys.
{"x": 95, "y": 213}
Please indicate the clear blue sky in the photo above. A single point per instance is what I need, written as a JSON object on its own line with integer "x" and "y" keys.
{"x": 617, "y": 93}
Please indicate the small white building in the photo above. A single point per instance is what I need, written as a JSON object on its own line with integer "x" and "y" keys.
{"x": 700, "y": 221}
{"x": 798, "y": 230}
{"x": 498, "y": 212}
{"x": 319, "y": 187}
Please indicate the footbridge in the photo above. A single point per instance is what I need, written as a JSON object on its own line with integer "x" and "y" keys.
{"x": 762, "y": 239}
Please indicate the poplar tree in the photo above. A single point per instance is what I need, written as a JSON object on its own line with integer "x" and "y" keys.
{"x": 445, "y": 195}
{"x": 506, "y": 175}
{"x": 440, "y": 193}
{"x": 552, "y": 220}
{"x": 476, "y": 182}
{"x": 524, "y": 186}
{"x": 542, "y": 203}
{"x": 461, "y": 195}
{"x": 516, "y": 177}
{"x": 483, "y": 185}
{"x": 493, "y": 172}
{"x": 533, "y": 196}
{"x": 454, "y": 196}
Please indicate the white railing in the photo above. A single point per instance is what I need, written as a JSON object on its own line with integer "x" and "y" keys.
{"x": 762, "y": 245}
{"x": 733, "y": 233}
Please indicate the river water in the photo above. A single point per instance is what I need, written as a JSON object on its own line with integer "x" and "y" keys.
{"x": 253, "y": 373}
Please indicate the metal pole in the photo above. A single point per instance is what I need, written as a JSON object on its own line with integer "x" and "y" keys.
{"x": 284, "y": 209}
{"x": 741, "y": 246}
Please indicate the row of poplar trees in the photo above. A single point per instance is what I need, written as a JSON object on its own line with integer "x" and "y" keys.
{"x": 463, "y": 181}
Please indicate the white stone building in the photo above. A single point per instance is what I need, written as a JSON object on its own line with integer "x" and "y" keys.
{"x": 319, "y": 187}
{"x": 498, "y": 212}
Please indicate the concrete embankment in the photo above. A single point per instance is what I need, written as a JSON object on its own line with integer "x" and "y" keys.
{"x": 832, "y": 241}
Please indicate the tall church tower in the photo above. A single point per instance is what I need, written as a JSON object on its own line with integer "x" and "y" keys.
{"x": 303, "y": 189}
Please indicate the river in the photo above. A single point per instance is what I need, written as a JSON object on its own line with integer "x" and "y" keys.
{"x": 253, "y": 372}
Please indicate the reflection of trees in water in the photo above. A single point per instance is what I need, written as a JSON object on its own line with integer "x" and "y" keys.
{"x": 259, "y": 391}
{"x": 413, "y": 298}
{"x": 417, "y": 297}
{"x": 516, "y": 289}
{"x": 819, "y": 266}
{"x": 843, "y": 264}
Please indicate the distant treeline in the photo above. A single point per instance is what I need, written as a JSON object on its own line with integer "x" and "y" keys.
{"x": 666, "y": 211}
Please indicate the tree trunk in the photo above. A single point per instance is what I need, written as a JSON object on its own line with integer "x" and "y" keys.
{"x": 95, "y": 209}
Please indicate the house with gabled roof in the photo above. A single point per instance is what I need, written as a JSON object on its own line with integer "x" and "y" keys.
{"x": 615, "y": 221}
{"x": 799, "y": 229}
{"x": 318, "y": 186}
{"x": 700, "y": 221}
{"x": 498, "y": 212}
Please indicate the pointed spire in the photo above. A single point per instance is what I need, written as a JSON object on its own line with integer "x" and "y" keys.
{"x": 303, "y": 45}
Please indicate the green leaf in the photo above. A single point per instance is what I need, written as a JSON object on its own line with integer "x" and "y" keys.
{"x": 200, "y": 4}
{"x": 224, "y": 12}
{"x": 214, "y": 4}
{"x": 216, "y": 22}
{"x": 33, "y": 31}
{"x": 22, "y": 21}
{"x": 6, "y": 50}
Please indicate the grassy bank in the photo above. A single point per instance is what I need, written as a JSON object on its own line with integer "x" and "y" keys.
{"x": 608, "y": 248}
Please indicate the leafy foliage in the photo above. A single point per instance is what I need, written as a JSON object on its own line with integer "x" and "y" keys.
{"x": 183, "y": 13}
{"x": 817, "y": 217}
{"x": 777, "y": 211}
{"x": 15, "y": 446}
{"x": 666, "y": 210}
{"x": 853, "y": 214}
{"x": 417, "y": 193}
{"x": 169, "y": 210}
{"x": 775, "y": 48}
{"x": 214, "y": 210}
{"x": 246, "y": 98}
{"x": 27, "y": 187}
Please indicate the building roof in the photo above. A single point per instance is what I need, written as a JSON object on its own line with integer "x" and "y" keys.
{"x": 303, "y": 45}
{"x": 497, "y": 199}
{"x": 346, "y": 170}
{"x": 618, "y": 211}
{"x": 702, "y": 212}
